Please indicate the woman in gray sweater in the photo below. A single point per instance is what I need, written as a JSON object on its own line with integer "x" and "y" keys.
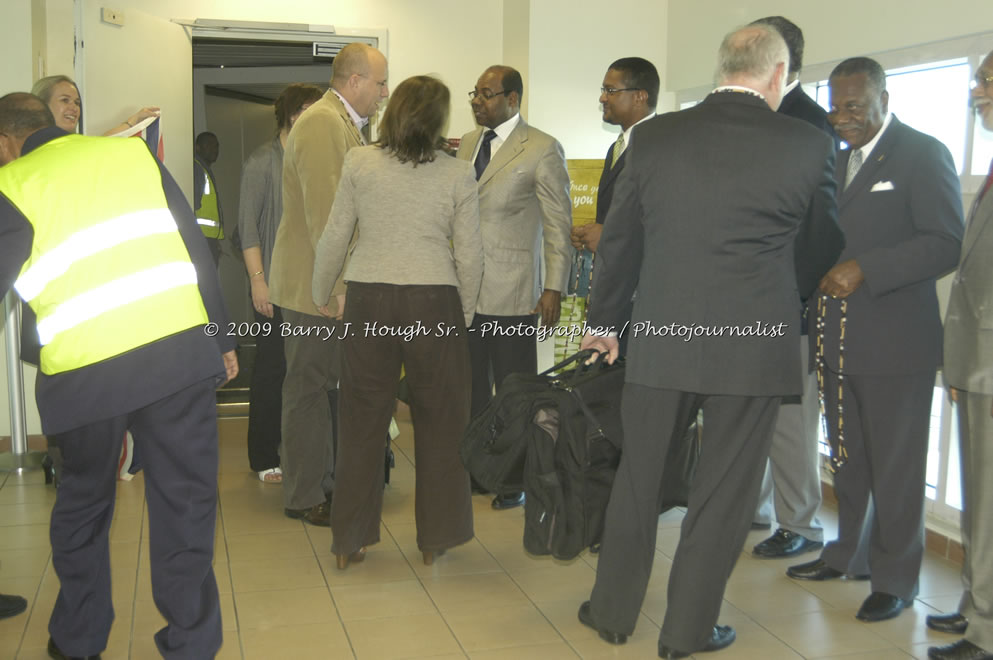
{"x": 413, "y": 278}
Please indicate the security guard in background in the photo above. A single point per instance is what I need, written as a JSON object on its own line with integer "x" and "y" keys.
{"x": 206, "y": 203}
{"x": 97, "y": 238}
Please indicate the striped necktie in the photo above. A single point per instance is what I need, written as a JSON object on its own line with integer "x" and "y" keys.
{"x": 618, "y": 150}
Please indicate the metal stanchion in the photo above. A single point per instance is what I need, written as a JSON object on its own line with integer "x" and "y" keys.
{"x": 19, "y": 458}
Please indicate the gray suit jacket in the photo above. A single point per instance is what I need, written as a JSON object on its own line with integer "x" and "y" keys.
{"x": 524, "y": 212}
{"x": 703, "y": 224}
{"x": 969, "y": 321}
{"x": 902, "y": 218}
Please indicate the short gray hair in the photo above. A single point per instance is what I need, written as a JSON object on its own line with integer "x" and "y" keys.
{"x": 751, "y": 51}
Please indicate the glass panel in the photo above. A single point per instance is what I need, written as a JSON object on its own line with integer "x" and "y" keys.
{"x": 934, "y": 445}
{"x": 953, "y": 489}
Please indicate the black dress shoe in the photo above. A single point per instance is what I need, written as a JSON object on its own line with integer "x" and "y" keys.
{"x": 11, "y": 606}
{"x": 721, "y": 638}
{"x": 948, "y": 623}
{"x": 880, "y": 606}
{"x": 501, "y": 502}
{"x": 318, "y": 515}
{"x": 56, "y": 654}
{"x": 785, "y": 543}
{"x": 586, "y": 618}
{"x": 960, "y": 650}
{"x": 818, "y": 570}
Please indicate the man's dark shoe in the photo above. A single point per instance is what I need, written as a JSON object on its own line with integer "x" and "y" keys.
{"x": 586, "y": 618}
{"x": 960, "y": 650}
{"x": 761, "y": 526}
{"x": 56, "y": 654}
{"x": 785, "y": 543}
{"x": 721, "y": 638}
{"x": 501, "y": 502}
{"x": 880, "y": 606}
{"x": 948, "y": 623}
{"x": 11, "y": 606}
{"x": 818, "y": 570}
{"x": 318, "y": 515}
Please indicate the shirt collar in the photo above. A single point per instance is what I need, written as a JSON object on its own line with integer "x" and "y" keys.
{"x": 738, "y": 88}
{"x": 867, "y": 148}
{"x": 356, "y": 119}
{"x": 504, "y": 130}
{"x": 40, "y": 137}
{"x": 627, "y": 133}
{"x": 789, "y": 88}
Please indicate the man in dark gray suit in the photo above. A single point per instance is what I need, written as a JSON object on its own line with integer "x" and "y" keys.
{"x": 793, "y": 476}
{"x": 880, "y": 330}
{"x": 704, "y": 223}
{"x": 968, "y": 373}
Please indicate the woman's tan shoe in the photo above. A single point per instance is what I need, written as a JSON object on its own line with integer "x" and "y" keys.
{"x": 431, "y": 555}
{"x": 354, "y": 558}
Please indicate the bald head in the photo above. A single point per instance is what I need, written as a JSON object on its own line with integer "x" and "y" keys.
{"x": 756, "y": 57}
{"x": 359, "y": 73}
{"x": 21, "y": 114}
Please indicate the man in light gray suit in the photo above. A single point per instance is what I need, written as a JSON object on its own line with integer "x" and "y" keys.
{"x": 723, "y": 218}
{"x": 525, "y": 216}
{"x": 969, "y": 375}
{"x": 901, "y": 210}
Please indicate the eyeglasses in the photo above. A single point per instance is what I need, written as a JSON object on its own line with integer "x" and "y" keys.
{"x": 980, "y": 80}
{"x": 610, "y": 91}
{"x": 486, "y": 94}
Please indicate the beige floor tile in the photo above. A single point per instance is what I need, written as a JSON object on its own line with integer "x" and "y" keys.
{"x": 273, "y": 574}
{"x": 27, "y": 513}
{"x": 34, "y": 494}
{"x": 752, "y": 642}
{"x": 273, "y": 609}
{"x": 259, "y": 547}
{"x": 487, "y": 628}
{"x": 772, "y": 599}
{"x": 825, "y": 633}
{"x": 389, "y": 565}
{"x": 316, "y": 640}
{"x": 263, "y": 519}
{"x": 480, "y": 590}
{"x": 884, "y": 654}
{"x": 940, "y": 577}
{"x": 554, "y": 651}
{"x": 642, "y": 645}
{"x": 418, "y": 636}
{"x": 467, "y": 558}
{"x": 29, "y": 562}
{"x": 564, "y": 616}
{"x": 23, "y": 537}
{"x": 910, "y": 628}
{"x": 381, "y": 600}
{"x": 666, "y": 541}
{"x": 513, "y": 557}
{"x": 572, "y": 581}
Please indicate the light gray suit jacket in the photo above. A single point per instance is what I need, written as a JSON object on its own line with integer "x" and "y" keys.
{"x": 524, "y": 212}
{"x": 969, "y": 321}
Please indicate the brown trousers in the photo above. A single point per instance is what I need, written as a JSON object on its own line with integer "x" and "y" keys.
{"x": 420, "y": 327}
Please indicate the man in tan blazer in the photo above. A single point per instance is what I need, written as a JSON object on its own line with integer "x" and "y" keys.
{"x": 312, "y": 164}
{"x": 525, "y": 216}
{"x": 968, "y": 370}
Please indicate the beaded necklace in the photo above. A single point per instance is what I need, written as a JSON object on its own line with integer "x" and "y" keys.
{"x": 839, "y": 454}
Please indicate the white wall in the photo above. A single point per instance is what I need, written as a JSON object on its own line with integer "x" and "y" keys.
{"x": 831, "y": 30}
{"x": 572, "y": 44}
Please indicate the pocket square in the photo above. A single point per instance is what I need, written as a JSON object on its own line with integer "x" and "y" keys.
{"x": 881, "y": 185}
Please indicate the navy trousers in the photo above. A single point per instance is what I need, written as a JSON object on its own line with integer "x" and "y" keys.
{"x": 177, "y": 437}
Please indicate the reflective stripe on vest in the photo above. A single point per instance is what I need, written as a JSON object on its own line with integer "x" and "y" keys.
{"x": 209, "y": 214}
{"x": 108, "y": 270}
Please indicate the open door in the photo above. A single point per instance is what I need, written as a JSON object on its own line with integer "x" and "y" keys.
{"x": 147, "y": 61}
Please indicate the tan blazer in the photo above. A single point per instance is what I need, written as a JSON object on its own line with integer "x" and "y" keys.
{"x": 315, "y": 150}
{"x": 969, "y": 321}
{"x": 524, "y": 213}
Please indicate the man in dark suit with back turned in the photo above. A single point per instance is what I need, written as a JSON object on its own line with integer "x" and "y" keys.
{"x": 703, "y": 223}
{"x": 792, "y": 478}
{"x": 901, "y": 211}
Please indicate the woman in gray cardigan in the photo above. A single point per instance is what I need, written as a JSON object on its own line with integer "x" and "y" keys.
{"x": 413, "y": 277}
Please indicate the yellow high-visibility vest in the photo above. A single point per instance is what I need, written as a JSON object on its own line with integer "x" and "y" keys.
{"x": 209, "y": 213}
{"x": 108, "y": 270}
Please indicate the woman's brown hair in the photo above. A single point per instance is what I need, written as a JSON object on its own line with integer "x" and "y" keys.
{"x": 414, "y": 118}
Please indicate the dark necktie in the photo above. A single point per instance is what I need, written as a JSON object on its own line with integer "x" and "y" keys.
{"x": 483, "y": 157}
